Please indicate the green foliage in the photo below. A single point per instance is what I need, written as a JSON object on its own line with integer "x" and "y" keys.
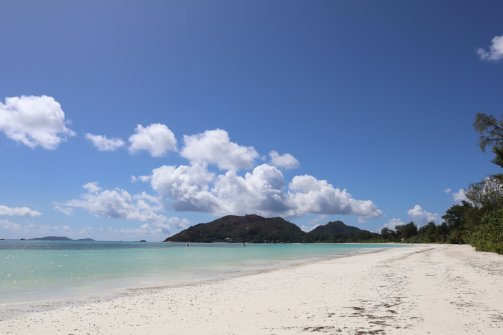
{"x": 337, "y": 231}
{"x": 388, "y": 235}
{"x": 409, "y": 233}
{"x": 498, "y": 156}
{"x": 491, "y": 134}
{"x": 456, "y": 219}
{"x": 488, "y": 235}
{"x": 428, "y": 233}
{"x": 406, "y": 231}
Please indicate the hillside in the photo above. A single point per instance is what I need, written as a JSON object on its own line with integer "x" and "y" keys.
{"x": 257, "y": 229}
{"x": 337, "y": 231}
{"x": 248, "y": 228}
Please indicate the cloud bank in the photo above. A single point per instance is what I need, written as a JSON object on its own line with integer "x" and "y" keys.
{"x": 119, "y": 204}
{"x": 213, "y": 181}
{"x": 264, "y": 190}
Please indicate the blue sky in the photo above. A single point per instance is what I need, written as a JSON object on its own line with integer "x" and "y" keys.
{"x": 373, "y": 101}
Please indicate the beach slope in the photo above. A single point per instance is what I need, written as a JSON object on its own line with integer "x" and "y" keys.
{"x": 424, "y": 289}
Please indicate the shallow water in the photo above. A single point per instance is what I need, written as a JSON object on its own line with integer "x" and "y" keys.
{"x": 42, "y": 270}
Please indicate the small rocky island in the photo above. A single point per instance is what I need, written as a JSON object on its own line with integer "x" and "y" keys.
{"x": 60, "y": 238}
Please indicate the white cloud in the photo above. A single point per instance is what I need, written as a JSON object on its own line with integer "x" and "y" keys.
{"x": 187, "y": 186}
{"x": 495, "y": 51}
{"x": 421, "y": 215}
{"x": 92, "y": 187}
{"x": 102, "y": 143}
{"x": 119, "y": 204}
{"x": 311, "y": 195}
{"x": 34, "y": 121}
{"x": 63, "y": 209}
{"x": 391, "y": 224}
{"x": 262, "y": 191}
{"x": 215, "y": 147}
{"x": 448, "y": 190}
{"x": 143, "y": 179}
{"x": 156, "y": 138}
{"x": 459, "y": 196}
{"x": 285, "y": 161}
{"x": 18, "y": 211}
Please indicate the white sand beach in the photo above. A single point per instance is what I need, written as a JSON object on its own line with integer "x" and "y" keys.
{"x": 420, "y": 289}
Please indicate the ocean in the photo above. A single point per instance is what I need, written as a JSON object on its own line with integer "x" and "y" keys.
{"x": 32, "y": 271}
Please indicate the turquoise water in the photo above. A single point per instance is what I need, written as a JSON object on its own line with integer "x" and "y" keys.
{"x": 41, "y": 270}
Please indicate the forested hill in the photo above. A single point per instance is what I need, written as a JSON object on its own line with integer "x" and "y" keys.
{"x": 337, "y": 231}
{"x": 257, "y": 229}
{"x": 248, "y": 228}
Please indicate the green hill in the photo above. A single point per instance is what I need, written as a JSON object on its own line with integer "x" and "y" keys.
{"x": 338, "y": 232}
{"x": 257, "y": 229}
{"x": 248, "y": 228}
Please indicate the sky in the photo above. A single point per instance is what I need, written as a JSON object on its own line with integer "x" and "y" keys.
{"x": 127, "y": 120}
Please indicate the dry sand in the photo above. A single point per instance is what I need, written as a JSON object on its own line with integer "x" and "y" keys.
{"x": 423, "y": 289}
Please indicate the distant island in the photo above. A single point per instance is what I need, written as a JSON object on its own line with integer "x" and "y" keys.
{"x": 60, "y": 238}
{"x": 257, "y": 229}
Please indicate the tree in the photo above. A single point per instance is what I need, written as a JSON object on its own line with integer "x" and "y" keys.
{"x": 428, "y": 233}
{"x": 487, "y": 193}
{"x": 406, "y": 231}
{"x": 456, "y": 217}
{"x": 491, "y": 134}
{"x": 388, "y": 234}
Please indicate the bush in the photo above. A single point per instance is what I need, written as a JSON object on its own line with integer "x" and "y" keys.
{"x": 488, "y": 236}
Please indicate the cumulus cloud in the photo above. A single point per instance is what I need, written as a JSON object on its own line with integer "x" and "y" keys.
{"x": 103, "y": 143}
{"x": 260, "y": 191}
{"x": 285, "y": 161}
{"x": 311, "y": 195}
{"x": 187, "y": 186}
{"x": 18, "y": 211}
{"x": 215, "y": 147}
{"x": 495, "y": 51}
{"x": 156, "y": 138}
{"x": 421, "y": 215}
{"x": 119, "y": 204}
{"x": 263, "y": 191}
{"x": 35, "y": 121}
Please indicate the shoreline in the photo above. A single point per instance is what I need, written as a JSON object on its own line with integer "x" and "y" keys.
{"x": 16, "y": 309}
{"x": 421, "y": 289}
